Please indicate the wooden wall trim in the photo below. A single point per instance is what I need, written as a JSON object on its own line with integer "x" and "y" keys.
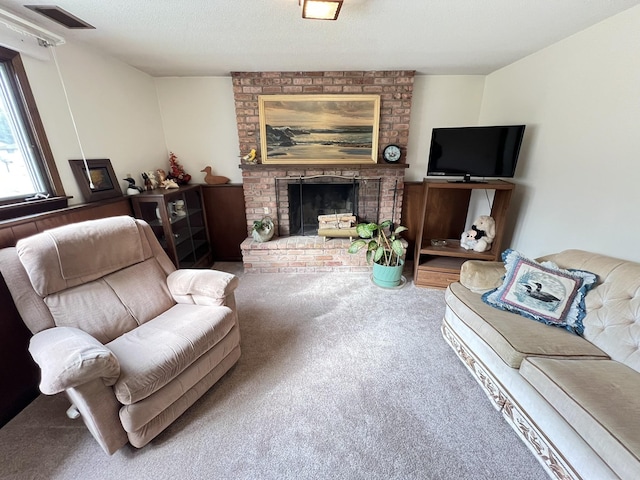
{"x": 13, "y": 230}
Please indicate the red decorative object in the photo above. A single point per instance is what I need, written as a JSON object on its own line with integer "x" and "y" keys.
{"x": 176, "y": 172}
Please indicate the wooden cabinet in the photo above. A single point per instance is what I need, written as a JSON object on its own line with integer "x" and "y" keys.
{"x": 178, "y": 220}
{"x": 411, "y": 210}
{"x": 445, "y": 206}
{"x": 226, "y": 219}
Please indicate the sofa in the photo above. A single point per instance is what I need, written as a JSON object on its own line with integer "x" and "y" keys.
{"x": 132, "y": 341}
{"x": 573, "y": 399}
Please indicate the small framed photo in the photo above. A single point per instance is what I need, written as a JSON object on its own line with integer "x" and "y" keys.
{"x": 105, "y": 183}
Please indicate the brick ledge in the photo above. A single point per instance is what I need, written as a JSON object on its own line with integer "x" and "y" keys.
{"x": 301, "y": 254}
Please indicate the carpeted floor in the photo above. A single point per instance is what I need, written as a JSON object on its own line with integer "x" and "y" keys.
{"x": 338, "y": 379}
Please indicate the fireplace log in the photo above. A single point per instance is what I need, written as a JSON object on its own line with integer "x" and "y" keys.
{"x": 337, "y": 217}
{"x": 338, "y": 233}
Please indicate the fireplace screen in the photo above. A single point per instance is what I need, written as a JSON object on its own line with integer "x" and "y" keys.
{"x": 302, "y": 200}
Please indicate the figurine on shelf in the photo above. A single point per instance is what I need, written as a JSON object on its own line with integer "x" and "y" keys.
{"x": 161, "y": 175}
{"x": 250, "y": 157}
{"x": 170, "y": 183}
{"x": 150, "y": 182}
{"x": 176, "y": 171}
{"x": 164, "y": 181}
{"x": 132, "y": 188}
{"x": 211, "y": 179}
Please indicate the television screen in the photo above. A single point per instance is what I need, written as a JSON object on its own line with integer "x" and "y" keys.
{"x": 475, "y": 151}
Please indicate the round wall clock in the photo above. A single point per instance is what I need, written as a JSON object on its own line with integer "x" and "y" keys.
{"x": 391, "y": 153}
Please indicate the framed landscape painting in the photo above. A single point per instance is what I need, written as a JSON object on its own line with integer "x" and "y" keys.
{"x": 319, "y": 128}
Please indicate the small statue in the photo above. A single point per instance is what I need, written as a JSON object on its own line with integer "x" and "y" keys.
{"x": 150, "y": 181}
{"x": 211, "y": 179}
{"x": 170, "y": 183}
{"x": 164, "y": 181}
{"x": 250, "y": 157}
{"x": 132, "y": 188}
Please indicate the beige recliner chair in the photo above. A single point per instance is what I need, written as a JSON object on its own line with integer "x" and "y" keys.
{"x": 130, "y": 339}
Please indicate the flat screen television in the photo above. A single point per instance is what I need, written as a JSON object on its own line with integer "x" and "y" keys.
{"x": 490, "y": 151}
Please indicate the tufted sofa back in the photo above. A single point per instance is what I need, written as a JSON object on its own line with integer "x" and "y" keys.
{"x": 612, "y": 322}
{"x": 104, "y": 277}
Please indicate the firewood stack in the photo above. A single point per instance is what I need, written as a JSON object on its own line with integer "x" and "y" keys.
{"x": 337, "y": 225}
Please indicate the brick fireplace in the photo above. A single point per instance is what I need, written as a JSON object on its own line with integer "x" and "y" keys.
{"x": 266, "y": 187}
{"x": 311, "y": 253}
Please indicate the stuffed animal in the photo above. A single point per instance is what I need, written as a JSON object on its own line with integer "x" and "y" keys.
{"x": 468, "y": 240}
{"x": 485, "y": 228}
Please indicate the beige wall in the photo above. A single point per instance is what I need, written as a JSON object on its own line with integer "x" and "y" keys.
{"x": 115, "y": 108}
{"x": 439, "y": 101}
{"x": 579, "y": 169}
{"x": 199, "y": 118}
{"x": 199, "y": 121}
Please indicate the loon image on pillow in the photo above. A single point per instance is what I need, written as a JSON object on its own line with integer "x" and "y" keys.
{"x": 542, "y": 292}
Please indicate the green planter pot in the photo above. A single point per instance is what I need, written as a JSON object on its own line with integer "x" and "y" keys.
{"x": 265, "y": 233}
{"x": 387, "y": 277}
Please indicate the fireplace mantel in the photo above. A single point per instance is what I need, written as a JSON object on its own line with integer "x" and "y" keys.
{"x": 324, "y": 166}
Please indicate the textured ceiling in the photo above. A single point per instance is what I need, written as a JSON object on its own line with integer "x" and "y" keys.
{"x": 215, "y": 37}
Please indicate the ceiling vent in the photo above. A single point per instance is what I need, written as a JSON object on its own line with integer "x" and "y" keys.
{"x": 58, "y": 15}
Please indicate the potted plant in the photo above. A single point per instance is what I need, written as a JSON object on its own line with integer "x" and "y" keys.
{"x": 262, "y": 230}
{"x": 384, "y": 251}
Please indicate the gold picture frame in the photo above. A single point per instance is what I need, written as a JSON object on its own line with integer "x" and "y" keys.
{"x": 319, "y": 128}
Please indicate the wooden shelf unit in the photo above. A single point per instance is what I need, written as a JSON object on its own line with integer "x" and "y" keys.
{"x": 445, "y": 207}
{"x": 185, "y": 238}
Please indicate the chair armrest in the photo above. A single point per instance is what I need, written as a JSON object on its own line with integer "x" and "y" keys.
{"x": 202, "y": 287}
{"x": 69, "y": 357}
{"x": 481, "y": 276}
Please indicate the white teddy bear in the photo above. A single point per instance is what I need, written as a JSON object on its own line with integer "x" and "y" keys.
{"x": 485, "y": 229}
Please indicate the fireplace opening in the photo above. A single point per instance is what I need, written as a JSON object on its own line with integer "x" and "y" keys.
{"x": 308, "y": 200}
{"x": 300, "y": 200}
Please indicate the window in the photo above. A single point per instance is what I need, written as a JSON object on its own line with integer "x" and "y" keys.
{"x": 27, "y": 167}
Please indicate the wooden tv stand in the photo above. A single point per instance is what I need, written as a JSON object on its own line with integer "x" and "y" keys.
{"x": 445, "y": 206}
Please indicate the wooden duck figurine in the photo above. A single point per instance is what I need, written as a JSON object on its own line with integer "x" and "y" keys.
{"x": 211, "y": 179}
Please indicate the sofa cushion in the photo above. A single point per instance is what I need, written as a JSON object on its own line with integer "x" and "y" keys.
{"x": 599, "y": 399}
{"x": 142, "y": 302}
{"x": 613, "y": 307}
{"x": 512, "y": 336}
{"x": 53, "y": 262}
{"x": 544, "y": 293}
{"x": 96, "y": 238}
{"x": 157, "y": 351}
{"x": 92, "y": 307}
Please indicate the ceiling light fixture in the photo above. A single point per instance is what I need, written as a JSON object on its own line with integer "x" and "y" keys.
{"x": 320, "y": 9}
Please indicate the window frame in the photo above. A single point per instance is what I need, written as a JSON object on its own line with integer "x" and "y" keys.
{"x": 12, "y": 208}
